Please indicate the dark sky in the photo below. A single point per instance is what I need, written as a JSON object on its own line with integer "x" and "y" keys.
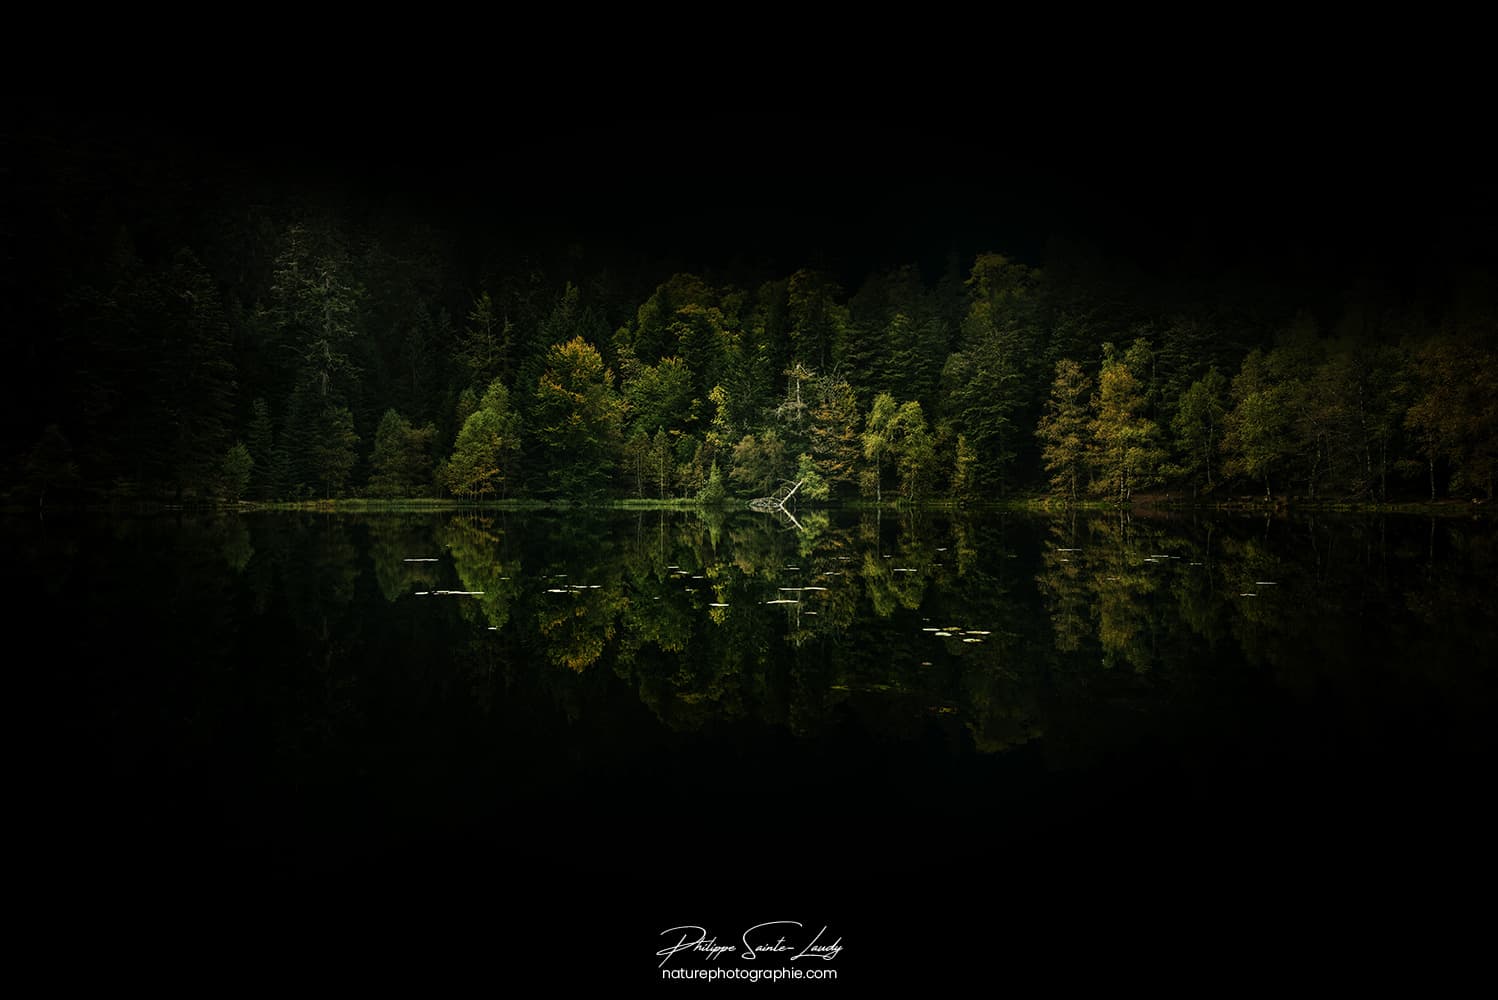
{"x": 1300, "y": 194}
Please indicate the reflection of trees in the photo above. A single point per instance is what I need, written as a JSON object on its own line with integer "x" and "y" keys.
{"x": 674, "y": 606}
{"x": 1259, "y": 620}
{"x": 394, "y": 538}
{"x": 483, "y": 563}
{"x": 1113, "y": 571}
{"x": 318, "y": 565}
{"x": 576, "y": 625}
{"x": 236, "y": 547}
{"x": 1123, "y": 586}
{"x": 887, "y": 589}
{"x": 759, "y": 550}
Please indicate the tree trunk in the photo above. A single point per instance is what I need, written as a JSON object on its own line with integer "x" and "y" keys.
{"x": 1383, "y": 470}
{"x": 1367, "y": 451}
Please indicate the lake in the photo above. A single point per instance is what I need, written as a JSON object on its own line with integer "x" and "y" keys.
{"x": 667, "y": 694}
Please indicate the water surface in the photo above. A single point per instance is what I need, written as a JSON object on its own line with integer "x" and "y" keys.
{"x": 666, "y": 694}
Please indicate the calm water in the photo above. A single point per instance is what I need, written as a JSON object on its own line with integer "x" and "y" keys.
{"x": 656, "y": 693}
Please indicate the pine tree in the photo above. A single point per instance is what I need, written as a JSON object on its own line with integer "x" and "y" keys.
{"x": 333, "y": 453}
{"x": 388, "y": 473}
{"x": 1064, "y": 430}
{"x": 485, "y": 343}
{"x": 234, "y": 470}
{"x": 199, "y": 371}
{"x": 262, "y": 450}
{"x": 715, "y": 493}
{"x": 315, "y": 303}
{"x": 835, "y": 444}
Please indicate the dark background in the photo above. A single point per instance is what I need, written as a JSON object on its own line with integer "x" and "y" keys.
{"x": 1317, "y": 194}
{"x": 1299, "y": 193}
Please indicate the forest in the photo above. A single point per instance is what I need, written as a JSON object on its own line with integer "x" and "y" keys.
{"x": 252, "y": 347}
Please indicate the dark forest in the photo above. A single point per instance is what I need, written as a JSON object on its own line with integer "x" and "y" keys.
{"x": 272, "y": 311}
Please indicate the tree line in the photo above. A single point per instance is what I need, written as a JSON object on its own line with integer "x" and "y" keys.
{"x": 309, "y": 359}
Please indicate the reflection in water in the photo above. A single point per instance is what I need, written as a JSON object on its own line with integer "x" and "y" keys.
{"x": 553, "y": 648}
{"x": 929, "y": 616}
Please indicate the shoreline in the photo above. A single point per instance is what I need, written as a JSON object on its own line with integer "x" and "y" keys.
{"x": 1281, "y": 506}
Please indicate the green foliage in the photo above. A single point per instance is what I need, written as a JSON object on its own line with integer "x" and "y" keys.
{"x": 1065, "y": 430}
{"x": 897, "y": 435}
{"x": 484, "y": 347}
{"x": 1454, "y": 413}
{"x": 879, "y": 442}
{"x": 234, "y": 472}
{"x": 964, "y": 484}
{"x": 314, "y": 303}
{"x": 915, "y": 455}
{"x": 991, "y": 385}
{"x": 660, "y": 396}
{"x": 793, "y": 415}
{"x": 1199, "y": 424}
{"x": 324, "y": 327}
{"x": 332, "y": 452}
{"x": 715, "y": 493}
{"x": 262, "y": 442}
{"x": 817, "y": 320}
{"x": 655, "y": 332}
{"x": 578, "y": 419}
{"x": 1126, "y": 451}
{"x": 661, "y": 463}
{"x": 759, "y": 463}
{"x": 401, "y": 463}
{"x": 1257, "y": 440}
{"x": 699, "y": 334}
{"x": 835, "y": 444}
{"x": 485, "y": 452}
{"x": 809, "y": 475}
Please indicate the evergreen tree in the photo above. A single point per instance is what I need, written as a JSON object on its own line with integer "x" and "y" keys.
{"x": 835, "y": 444}
{"x": 484, "y": 345}
{"x": 333, "y": 453}
{"x": 315, "y": 303}
{"x": 234, "y": 471}
{"x": 262, "y": 450}
{"x": 1065, "y": 430}
{"x": 817, "y": 322}
{"x": 759, "y": 463}
{"x": 715, "y": 493}
{"x": 401, "y": 462}
{"x": 199, "y": 372}
{"x": 988, "y": 395}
